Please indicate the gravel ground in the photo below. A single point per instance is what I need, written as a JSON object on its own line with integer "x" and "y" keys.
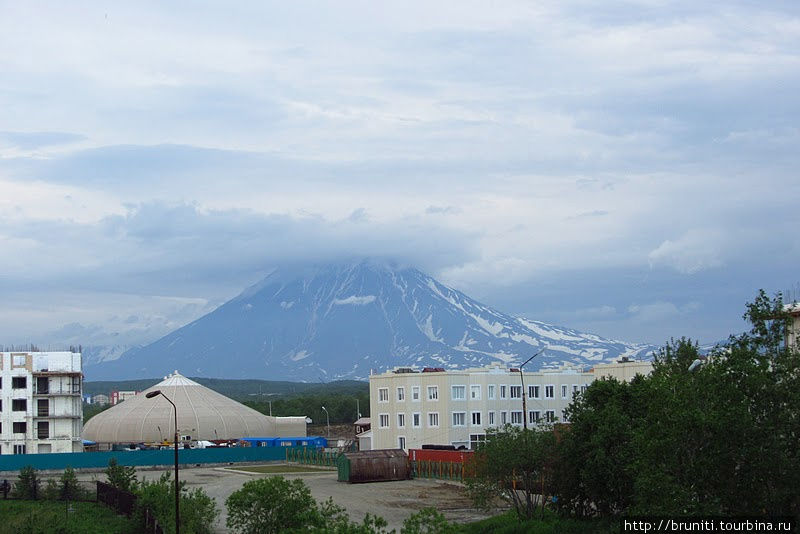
{"x": 394, "y": 501}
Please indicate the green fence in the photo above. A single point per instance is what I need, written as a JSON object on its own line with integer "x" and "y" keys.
{"x": 308, "y": 456}
{"x": 81, "y": 460}
{"x": 440, "y": 470}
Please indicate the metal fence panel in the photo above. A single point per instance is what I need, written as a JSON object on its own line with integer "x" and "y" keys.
{"x": 82, "y": 460}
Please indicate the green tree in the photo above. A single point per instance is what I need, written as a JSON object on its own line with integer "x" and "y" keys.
{"x": 198, "y": 510}
{"x": 121, "y": 476}
{"x": 271, "y": 505}
{"x": 29, "y": 484}
{"x": 513, "y": 464}
{"x": 594, "y": 453}
{"x": 69, "y": 489}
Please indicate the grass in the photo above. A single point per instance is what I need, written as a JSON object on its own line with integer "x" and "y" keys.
{"x": 279, "y": 469}
{"x": 45, "y": 517}
{"x": 508, "y": 523}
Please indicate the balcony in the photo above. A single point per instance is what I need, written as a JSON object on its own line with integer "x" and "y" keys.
{"x": 75, "y": 390}
{"x": 60, "y": 415}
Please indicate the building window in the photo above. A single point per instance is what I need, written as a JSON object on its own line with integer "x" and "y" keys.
{"x": 19, "y": 428}
{"x": 415, "y": 393}
{"x": 459, "y": 418}
{"x": 490, "y": 392}
{"x": 383, "y": 420}
{"x": 459, "y": 392}
{"x": 574, "y": 389}
{"x": 43, "y": 430}
{"x": 503, "y": 418}
{"x": 19, "y": 449}
{"x": 19, "y": 405}
{"x": 533, "y": 417}
{"x": 415, "y": 420}
{"x": 475, "y": 440}
{"x": 433, "y": 393}
{"x": 401, "y": 442}
{"x": 42, "y": 408}
{"x": 383, "y": 395}
{"x": 548, "y": 392}
{"x": 401, "y": 420}
{"x": 563, "y": 391}
{"x": 550, "y": 416}
{"x": 502, "y": 392}
{"x": 516, "y": 392}
{"x": 516, "y": 417}
{"x": 433, "y": 419}
{"x": 475, "y": 392}
{"x": 490, "y": 418}
{"x": 583, "y": 388}
{"x": 564, "y": 415}
{"x": 19, "y": 382}
{"x": 533, "y": 392}
{"x": 18, "y": 360}
{"x": 476, "y": 418}
{"x": 401, "y": 394}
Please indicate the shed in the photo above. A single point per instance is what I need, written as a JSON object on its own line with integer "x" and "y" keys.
{"x": 373, "y": 466}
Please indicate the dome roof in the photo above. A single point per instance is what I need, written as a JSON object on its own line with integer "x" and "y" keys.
{"x": 203, "y": 414}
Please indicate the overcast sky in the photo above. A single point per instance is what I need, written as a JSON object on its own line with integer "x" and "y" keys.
{"x": 625, "y": 168}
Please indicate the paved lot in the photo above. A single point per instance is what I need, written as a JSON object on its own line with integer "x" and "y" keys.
{"x": 394, "y": 501}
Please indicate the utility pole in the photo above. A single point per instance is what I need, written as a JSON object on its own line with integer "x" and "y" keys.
{"x": 522, "y": 381}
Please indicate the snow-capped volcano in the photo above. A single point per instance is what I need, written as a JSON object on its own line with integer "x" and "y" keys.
{"x": 343, "y": 320}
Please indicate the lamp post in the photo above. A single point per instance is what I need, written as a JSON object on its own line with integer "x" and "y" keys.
{"x": 327, "y": 420}
{"x": 177, "y": 488}
{"x": 522, "y": 381}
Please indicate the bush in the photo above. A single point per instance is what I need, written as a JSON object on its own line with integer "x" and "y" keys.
{"x": 69, "y": 489}
{"x": 121, "y": 476}
{"x": 427, "y": 521}
{"x": 198, "y": 510}
{"x": 271, "y": 505}
{"x": 28, "y": 485}
{"x": 274, "y": 504}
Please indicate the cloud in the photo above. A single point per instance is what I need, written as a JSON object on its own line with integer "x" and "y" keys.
{"x": 695, "y": 251}
{"x": 518, "y": 153}
{"x": 33, "y": 140}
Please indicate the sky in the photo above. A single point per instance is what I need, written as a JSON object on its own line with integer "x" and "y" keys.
{"x": 623, "y": 168}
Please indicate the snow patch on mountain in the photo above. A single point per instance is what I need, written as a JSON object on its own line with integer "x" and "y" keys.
{"x": 357, "y": 301}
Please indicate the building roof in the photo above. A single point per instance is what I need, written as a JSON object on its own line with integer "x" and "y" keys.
{"x": 203, "y": 414}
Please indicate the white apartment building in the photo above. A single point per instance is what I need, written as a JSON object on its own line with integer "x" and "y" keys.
{"x": 409, "y": 409}
{"x": 40, "y": 402}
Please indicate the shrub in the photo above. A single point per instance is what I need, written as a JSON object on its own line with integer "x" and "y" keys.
{"x": 198, "y": 510}
{"x": 121, "y": 476}
{"x": 28, "y": 485}
{"x": 271, "y": 505}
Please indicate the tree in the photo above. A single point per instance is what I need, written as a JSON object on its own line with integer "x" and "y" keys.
{"x": 198, "y": 510}
{"x": 69, "y": 489}
{"x": 594, "y": 452}
{"x": 270, "y": 505}
{"x": 121, "y": 476}
{"x": 512, "y": 464}
{"x": 28, "y": 484}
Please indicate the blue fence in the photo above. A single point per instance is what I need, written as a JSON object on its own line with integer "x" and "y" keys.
{"x": 80, "y": 460}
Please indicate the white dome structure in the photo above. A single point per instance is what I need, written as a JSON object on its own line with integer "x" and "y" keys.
{"x": 203, "y": 414}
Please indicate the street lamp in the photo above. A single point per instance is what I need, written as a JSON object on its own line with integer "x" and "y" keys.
{"x": 522, "y": 381}
{"x": 328, "y": 420}
{"x": 695, "y": 365}
{"x": 150, "y": 395}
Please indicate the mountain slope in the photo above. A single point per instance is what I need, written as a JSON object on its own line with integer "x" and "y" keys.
{"x": 340, "y": 321}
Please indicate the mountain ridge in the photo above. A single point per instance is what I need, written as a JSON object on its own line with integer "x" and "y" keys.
{"x": 344, "y": 320}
